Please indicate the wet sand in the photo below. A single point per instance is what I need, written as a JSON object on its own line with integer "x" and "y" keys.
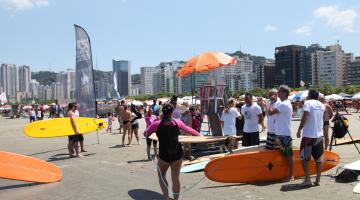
{"x": 109, "y": 171}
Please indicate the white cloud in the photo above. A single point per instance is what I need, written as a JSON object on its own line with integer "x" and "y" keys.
{"x": 20, "y": 5}
{"x": 270, "y": 27}
{"x": 304, "y": 30}
{"x": 337, "y": 18}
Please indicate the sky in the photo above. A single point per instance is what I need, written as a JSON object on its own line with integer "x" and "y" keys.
{"x": 40, "y": 33}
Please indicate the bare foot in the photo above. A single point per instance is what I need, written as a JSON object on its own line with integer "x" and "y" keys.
{"x": 72, "y": 156}
{"x": 317, "y": 183}
{"x": 79, "y": 156}
{"x": 288, "y": 179}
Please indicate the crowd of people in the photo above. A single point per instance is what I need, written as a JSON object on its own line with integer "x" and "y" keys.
{"x": 245, "y": 118}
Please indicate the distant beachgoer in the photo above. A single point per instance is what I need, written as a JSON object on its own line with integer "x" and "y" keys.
{"x": 252, "y": 115}
{"x": 73, "y": 139}
{"x": 196, "y": 118}
{"x": 228, "y": 120}
{"x": 283, "y": 112}
{"x": 119, "y": 108}
{"x": 273, "y": 102}
{"x": 327, "y": 116}
{"x": 261, "y": 103}
{"x": 38, "y": 114}
{"x": 155, "y": 108}
{"x": 135, "y": 126}
{"x": 149, "y": 119}
{"x": 110, "y": 119}
{"x": 125, "y": 115}
{"x": 170, "y": 150}
{"x": 32, "y": 115}
{"x": 312, "y": 141}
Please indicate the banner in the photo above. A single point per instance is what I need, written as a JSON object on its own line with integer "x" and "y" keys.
{"x": 3, "y": 98}
{"x": 85, "y": 91}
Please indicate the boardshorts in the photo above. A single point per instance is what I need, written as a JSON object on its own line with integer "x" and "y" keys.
{"x": 285, "y": 145}
{"x": 312, "y": 147}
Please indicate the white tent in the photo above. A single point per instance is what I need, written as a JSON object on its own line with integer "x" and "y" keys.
{"x": 334, "y": 97}
{"x": 356, "y": 96}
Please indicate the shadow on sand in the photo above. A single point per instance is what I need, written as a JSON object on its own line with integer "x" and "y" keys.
{"x": 293, "y": 187}
{"x": 241, "y": 184}
{"x": 117, "y": 146}
{"x": 64, "y": 156}
{"x": 143, "y": 194}
{"x": 18, "y": 186}
{"x": 138, "y": 161}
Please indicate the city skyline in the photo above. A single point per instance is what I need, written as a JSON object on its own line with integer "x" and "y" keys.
{"x": 146, "y": 33}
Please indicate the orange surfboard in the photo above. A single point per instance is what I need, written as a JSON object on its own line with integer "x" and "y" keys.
{"x": 24, "y": 168}
{"x": 263, "y": 165}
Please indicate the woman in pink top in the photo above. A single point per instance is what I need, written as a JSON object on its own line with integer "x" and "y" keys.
{"x": 149, "y": 119}
{"x": 170, "y": 150}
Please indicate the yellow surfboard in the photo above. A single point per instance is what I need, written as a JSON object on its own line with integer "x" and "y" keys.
{"x": 59, "y": 127}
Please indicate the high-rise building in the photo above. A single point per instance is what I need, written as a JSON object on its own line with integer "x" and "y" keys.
{"x": 67, "y": 79}
{"x": 102, "y": 89}
{"x": 34, "y": 89}
{"x": 308, "y": 66}
{"x": 147, "y": 76}
{"x": 136, "y": 90}
{"x": 240, "y": 75}
{"x": 192, "y": 82}
{"x": 347, "y": 58}
{"x": 57, "y": 91}
{"x": 24, "y": 78}
{"x": 331, "y": 66}
{"x": 265, "y": 74}
{"x": 287, "y": 65}
{"x": 44, "y": 92}
{"x": 353, "y": 72}
{"x": 9, "y": 79}
{"x": 121, "y": 69}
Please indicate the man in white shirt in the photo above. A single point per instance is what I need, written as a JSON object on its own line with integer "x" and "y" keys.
{"x": 273, "y": 102}
{"x": 312, "y": 141}
{"x": 283, "y": 112}
{"x": 253, "y": 117}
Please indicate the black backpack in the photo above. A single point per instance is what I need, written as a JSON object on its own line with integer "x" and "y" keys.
{"x": 341, "y": 126}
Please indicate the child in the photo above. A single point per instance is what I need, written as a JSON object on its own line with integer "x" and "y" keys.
{"x": 149, "y": 119}
{"x": 110, "y": 119}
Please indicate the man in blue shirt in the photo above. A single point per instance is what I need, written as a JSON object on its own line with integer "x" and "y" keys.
{"x": 155, "y": 108}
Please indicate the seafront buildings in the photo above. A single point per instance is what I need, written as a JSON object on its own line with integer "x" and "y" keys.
{"x": 294, "y": 65}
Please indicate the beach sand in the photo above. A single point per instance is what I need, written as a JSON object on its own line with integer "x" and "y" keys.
{"x": 109, "y": 171}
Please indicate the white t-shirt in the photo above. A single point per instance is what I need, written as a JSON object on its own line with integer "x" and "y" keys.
{"x": 271, "y": 118}
{"x": 313, "y": 127}
{"x": 283, "y": 118}
{"x": 251, "y": 117}
{"x": 229, "y": 120}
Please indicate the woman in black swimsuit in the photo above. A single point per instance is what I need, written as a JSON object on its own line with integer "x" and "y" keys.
{"x": 170, "y": 150}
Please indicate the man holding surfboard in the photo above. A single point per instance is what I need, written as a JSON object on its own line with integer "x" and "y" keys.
{"x": 283, "y": 112}
{"x": 73, "y": 139}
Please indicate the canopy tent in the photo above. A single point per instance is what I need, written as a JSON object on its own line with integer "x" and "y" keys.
{"x": 346, "y": 96}
{"x": 334, "y": 97}
{"x": 301, "y": 95}
{"x": 356, "y": 96}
